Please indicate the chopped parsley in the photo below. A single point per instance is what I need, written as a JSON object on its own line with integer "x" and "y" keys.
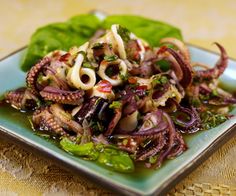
{"x": 87, "y": 65}
{"x": 214, "y": 93}
{"x": 160, "y": 80}
{"x": 115, "y": 105}
{"x": 211, "y": 120}
{"x": 98, "y": 46}
{"x": 163, "y": 64}
{"x": 153, "y": 159}
{"x": 196, "y": 102}
{"x": 109, "y": 71}
{"x": 124, "y": 33}
{"x": 110, "y": 57}
{"x": 82, "y": 52}
{"x": 124, "y": 77}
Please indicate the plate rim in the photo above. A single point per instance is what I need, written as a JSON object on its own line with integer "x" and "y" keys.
{"x": 165, "y": 186}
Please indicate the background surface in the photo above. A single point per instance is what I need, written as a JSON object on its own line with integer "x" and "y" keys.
{"x": 202, "y": 22}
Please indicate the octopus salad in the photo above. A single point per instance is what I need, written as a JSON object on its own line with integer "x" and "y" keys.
{"x": 117, "y": 101}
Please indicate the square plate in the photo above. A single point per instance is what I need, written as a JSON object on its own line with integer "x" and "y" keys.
{"x": 14, "y": 125}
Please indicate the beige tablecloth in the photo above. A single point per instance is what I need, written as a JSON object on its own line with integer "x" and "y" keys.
{"x": 202, "y": 22}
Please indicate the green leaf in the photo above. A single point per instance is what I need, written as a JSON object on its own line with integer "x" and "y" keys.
{"x": 115, "y": 105}
{"x": 79, "y": 29}
{"x": 110, "y": 57}
{"x": 86, "y": 150}
{"x": 116, "y": 160}
{"x": 124, "y": 33}
{"x": 61, "y": 36}
{"x": 107, "y": 156}
{"x": 150, "y": 30}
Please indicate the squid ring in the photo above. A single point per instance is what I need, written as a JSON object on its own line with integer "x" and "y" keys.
{"x": 77, "y": 72}
{"x": 114, "y": 80}
{"x": 119, "y": 41}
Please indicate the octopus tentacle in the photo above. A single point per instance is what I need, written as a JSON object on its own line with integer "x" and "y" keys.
{"x": 190, "y": 125}
{"x": 65, "y": 119}
{"x": 172, "y": 137}
{"x": 61, "y": 96}
{"x": 216, "y": 71}
{"x": 160, "y": 143}
{"x": 113, "y": 122}
{"x": 32, "y": 76}
{"x": 150, "y": 132}
{"x": 179, "y": 147}
{"x": 179, "y": 45}
{"x": 22, "y": 99}
{"x": 54, "y": 119}
{"x": 186, "y": 68}
{"x": 44, "y": 120}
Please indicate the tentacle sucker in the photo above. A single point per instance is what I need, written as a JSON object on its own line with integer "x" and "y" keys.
{"x": 32, "y": 76}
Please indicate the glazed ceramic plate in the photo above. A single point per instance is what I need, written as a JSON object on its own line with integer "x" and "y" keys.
{"x": 15, "y": 126}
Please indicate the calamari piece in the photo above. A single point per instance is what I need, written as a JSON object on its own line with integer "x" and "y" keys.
{"x": 141, "y": 44}
{"x": 77, "y": 72}
{"x": 129, "y": 123}
{"x": 119, "y": 41}
{"x": 115, "y": 79}
{"x": 103, "y": 89}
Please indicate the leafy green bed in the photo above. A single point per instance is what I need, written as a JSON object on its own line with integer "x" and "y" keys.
{"x": 79, "y": 29}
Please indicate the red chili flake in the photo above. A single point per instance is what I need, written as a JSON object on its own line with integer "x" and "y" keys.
{"x": 104, "y": 86}
{"x": 136, "y": 55}
{"x": 132, "y": 80}
{"x": 147, "y": 48}
{"x": 65, "y": 57}
{"x": 141, "y": 90}
{"x": 162, "y": 49}
{"x": 142, "y": 87}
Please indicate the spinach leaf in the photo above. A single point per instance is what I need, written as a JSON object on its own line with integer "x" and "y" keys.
{"x": 107, "y": 156}
{"x": 116, "y": 160}
{"x": 86, "y": 150}
{"x": 79, "y": 29}
{"x": 150, "y": 30}
{"x": 61, "y": 36}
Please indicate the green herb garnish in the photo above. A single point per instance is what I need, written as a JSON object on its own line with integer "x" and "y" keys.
{"x": 79, "y": 29}
{"x": 88, "y": 65}
{"x": 124, "y": 33}
{"x": 115, "y": 105}
{"x": 158, "y": 79}
{"x": 107, "y": 156}
{"x": 98, "y": 46}
{"x": 110, "y": 57}
{"x": 211, "y": 120}
{"x": 124, "y": 77}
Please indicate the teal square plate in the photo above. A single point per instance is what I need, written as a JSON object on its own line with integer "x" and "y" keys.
{"x": 15, "y": 126}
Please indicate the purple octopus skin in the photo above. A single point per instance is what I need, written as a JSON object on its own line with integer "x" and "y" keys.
{"x": 62, "y": 96}
{"x": 159, "y": 144}
{"x": 113, "y": 122}
{"x": 190, "y": 126}
{"x": 54, "y": 119}
{"x": 173, "y": 139}
{"x": 215, "y": 72}
{"x": 22, "y": 99}
{"x": 185, "y": 67}
{"x": 44, "y": 120}
{"x": 32, "y": 76}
